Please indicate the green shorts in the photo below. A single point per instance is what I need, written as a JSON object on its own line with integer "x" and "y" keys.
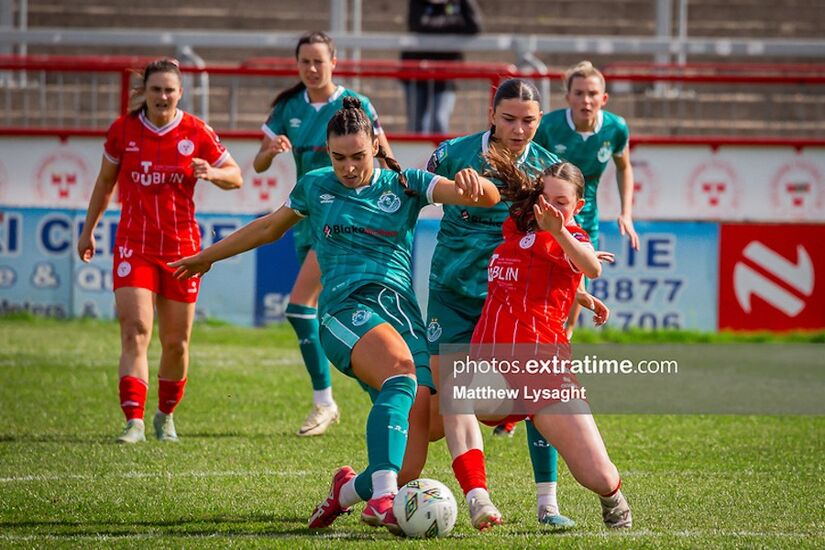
{"x": 452, "y": 318}
{"x": 369, "y": 306}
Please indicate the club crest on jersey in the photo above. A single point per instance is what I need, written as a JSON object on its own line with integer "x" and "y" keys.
{"x": 527, "y": 241}
{"x": 433, "y": 331}
{"x": 294, "y": 122}
{"x": 389, "y": 202}
{"x": 604, "y": 152}
{"x": 360, "y": 317}
{"x": 326, "y": 198}
{"x": 186, "y": 147}
{"x": 560, "y": 148}
{"x": 123, "y": 269}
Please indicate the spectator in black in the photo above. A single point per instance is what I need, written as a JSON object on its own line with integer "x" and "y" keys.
{"x": 430, "y": 102}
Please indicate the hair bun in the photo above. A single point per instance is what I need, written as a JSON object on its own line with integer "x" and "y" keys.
{"x": 351, "y": 102}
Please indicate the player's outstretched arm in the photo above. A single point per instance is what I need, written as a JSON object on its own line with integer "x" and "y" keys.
{"x": 468, "y": 189}
{"x": 587, "y": 300}
{"x": 228, "y": 176}
{"x": 101, "y": 195}
{"x": 624, "y": 180}
{"x": 270, "y": 148}
{"x": 582, "y": 255}
{"x": 259, "y": 232}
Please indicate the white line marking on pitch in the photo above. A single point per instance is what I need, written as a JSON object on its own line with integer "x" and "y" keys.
{"x": 142, "y": 475}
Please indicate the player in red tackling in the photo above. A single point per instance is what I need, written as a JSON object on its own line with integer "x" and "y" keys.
{"x": 156, "y": 154}
{"x": 533, "y": 280}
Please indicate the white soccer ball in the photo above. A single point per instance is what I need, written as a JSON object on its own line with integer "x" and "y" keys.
{"x": 425, "y": 508}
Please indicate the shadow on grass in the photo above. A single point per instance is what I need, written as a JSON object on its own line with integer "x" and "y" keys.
{"x": 252, "y": 526}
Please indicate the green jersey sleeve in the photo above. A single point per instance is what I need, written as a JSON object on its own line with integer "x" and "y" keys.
{"x": 297, "y": 200}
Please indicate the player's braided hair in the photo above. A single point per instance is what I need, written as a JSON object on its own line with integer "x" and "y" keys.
{"x": 351, "y": 119}
{"x": 523, "y": 190}
{"x": 136, "y": 95}
{"x": 514, "y": 88}
{"x": 312, "y": 37}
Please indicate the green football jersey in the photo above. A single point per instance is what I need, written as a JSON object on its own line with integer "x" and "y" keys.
{"x": 558, "y": 134}
{"x": 362, "y": 235}
{"x": 468, "y": 235}
{"x": 305, "y": 124}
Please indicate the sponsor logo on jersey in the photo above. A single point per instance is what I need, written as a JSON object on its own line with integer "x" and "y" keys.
{"x": 389, "y": 202}
{"x": 156, "y": 175}
{"x": 527, "y": 241}
{"x": 500, "y": 272}
{"x": 360, "y": 317}
{"x": 338, "y": 229}
{"x": 294, "y": 122}
{"x": 436, "y": 158}
{"x": 124, "y": 268}
{"x": 560, "y": 149}
{"x": 326, "y": 198}
{"x": 434, "y": 331}
{"x": 604, "y": 152}
{"x": 186, "y": 147}
{"x": 132, "y": 147}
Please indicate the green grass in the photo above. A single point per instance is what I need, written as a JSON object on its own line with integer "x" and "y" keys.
{"x": 240, "y": 478}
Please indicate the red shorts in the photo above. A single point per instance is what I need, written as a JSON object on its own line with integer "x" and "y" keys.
{"x": 152, "y": 273}
{"x": 512, "y": 418}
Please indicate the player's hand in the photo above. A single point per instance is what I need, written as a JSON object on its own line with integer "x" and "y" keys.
{"x": 600, "y": 311}
{"x": 86, "y": 246}
{"x": 605, "y": 257}
{"x": 275, "y": 146}
{"x": 548, "y": 217}
{"x": 626, "y": 228}
{"x": 203, "y": 170}
{"x": 468, "y": 184}
{"x": 190, "y": 266}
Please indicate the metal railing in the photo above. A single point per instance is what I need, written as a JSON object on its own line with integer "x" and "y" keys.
{"x": 87, "y": 93}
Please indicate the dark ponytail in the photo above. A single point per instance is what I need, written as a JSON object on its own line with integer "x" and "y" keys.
{"x": 136, "y": 94}
{"x": 514, "y": 88}
{"x": 523, "y": 190}
{"x": 351, "y": 119}
{"x": 313, "y": 37}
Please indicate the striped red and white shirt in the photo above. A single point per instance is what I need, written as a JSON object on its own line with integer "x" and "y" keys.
{"x": 531, "y": 287}
{"x": 156, "y": 181}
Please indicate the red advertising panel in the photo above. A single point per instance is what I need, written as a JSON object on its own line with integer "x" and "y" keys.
{"x": 772, "y": 277}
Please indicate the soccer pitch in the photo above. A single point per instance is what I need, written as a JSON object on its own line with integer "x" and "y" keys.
{"x": 240, "y": 477}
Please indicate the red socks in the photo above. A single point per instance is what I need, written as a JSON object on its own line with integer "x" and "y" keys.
{"x": 470, "y": 470}
{"x": 132, "y": 397}
{"x": 170, "y": 392}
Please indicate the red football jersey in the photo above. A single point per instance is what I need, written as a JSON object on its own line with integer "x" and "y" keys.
{"x": 156, "y": 181}
{"x": 531, "y": 287}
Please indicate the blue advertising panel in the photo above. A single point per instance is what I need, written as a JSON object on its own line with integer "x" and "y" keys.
{"x": 276, "y": 266}
{"x": 670, "y": 282}
{"x": 40, "y": 272}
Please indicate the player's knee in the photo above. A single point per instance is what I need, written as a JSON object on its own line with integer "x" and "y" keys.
{"x": 175, "y": 346}
{"x": 403, "y": 366}
{"x": 134, "y": 334}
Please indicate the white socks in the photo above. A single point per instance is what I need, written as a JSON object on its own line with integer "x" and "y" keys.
{"x": 323, "y": 397}
{"x": 546, "y": 496}
{"x": 384, "y": 482}
{"x": 478, "y": 493}
{"x": 349, "y": 495}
